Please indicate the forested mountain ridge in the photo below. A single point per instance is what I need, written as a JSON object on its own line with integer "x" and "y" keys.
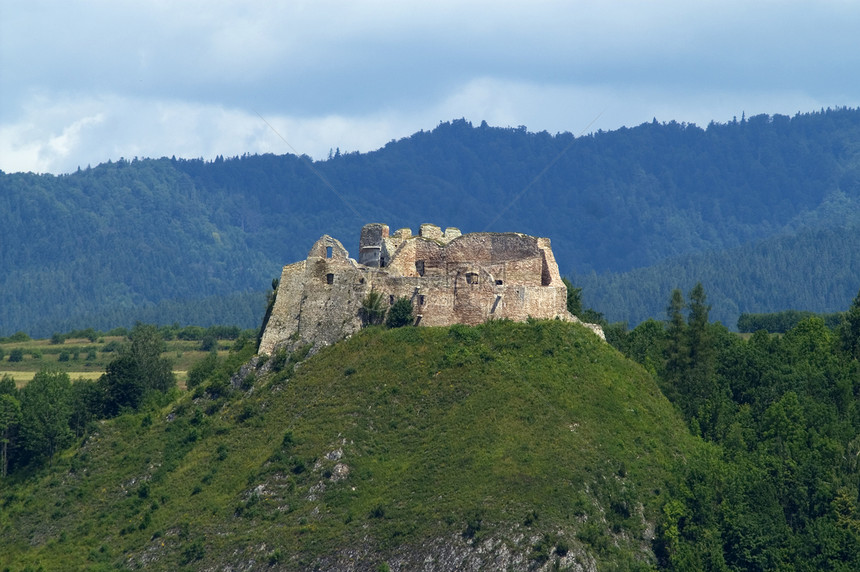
{"x": 152, "y": 234}
{"x": 815, "y": 268}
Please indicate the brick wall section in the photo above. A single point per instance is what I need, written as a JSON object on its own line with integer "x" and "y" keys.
{"x": 450, "y": 278}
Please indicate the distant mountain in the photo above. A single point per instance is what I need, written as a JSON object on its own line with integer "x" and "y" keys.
{"x": 154, "y": 234}
{"x": 815, "y": 268}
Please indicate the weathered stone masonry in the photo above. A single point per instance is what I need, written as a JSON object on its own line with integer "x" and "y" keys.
{"x": 451, "y": 278}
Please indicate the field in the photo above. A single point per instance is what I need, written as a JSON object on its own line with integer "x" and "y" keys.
{"x": 81, "y": 358}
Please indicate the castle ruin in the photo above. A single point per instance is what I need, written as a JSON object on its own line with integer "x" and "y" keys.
{"x": 451, "y": 278}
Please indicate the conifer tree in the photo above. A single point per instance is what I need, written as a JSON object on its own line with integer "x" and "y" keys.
{"x": 677, "y": 353}
{"x": 700, "y": 376}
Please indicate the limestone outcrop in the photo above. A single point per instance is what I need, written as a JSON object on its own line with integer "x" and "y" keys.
{"x": 451, "y": 278}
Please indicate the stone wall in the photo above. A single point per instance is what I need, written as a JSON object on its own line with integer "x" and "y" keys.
{"x": 451, "y": 279}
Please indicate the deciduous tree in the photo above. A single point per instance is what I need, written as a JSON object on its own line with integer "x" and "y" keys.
{"x": 10, "y": 415}
{"x": 45, "y": 411}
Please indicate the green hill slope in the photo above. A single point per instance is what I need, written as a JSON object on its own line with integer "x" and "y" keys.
{"x": 504, "y": 446}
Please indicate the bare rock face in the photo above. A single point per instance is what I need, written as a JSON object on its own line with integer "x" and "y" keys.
{"x": 451, "y": 278}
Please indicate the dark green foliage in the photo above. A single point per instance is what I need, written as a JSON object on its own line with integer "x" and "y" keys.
{"x": 400, "y": 314}
{"x": 781, "y": 322}
{"x": 850, "y": 330}
{"x": 192, "y": 552}
{"x": 7, "y": 385}
{"x": 208, "y": 343}
{"x": 214, "y": 233}
{"x": 10, "y": 417}
{"x": 16, "y": 355}
{"x": 138, "y": 369}
{"x": 814, "y": 268}
{"x": 372, "y": 309}
{"x": 782, "y": 411}
{"x": 200, "y": 371}
{"x": 473, "y": 525}
{"x": 87, "y": 405}
{"x": 45, "y": 412}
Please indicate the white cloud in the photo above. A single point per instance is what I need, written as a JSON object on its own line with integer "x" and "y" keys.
{"x": 88, "y": 81}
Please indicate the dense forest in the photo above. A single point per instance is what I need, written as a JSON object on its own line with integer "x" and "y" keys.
{"x": 160, "y": 239}
{"x": 814, "y": 268}
{"x": 782, "y": 488}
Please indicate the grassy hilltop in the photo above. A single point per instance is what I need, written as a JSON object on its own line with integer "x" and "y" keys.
{"x": 512, "y": 446}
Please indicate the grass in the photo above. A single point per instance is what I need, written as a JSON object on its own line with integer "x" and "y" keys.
{"x": 387, "y": 441}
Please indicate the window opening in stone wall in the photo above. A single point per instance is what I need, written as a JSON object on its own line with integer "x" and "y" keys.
{"x": 328, "y": 251}
{"x": 419, "y": 267}
{"x": 382, "y": 262}
{"x": 329, "y": 278}
{"x": 391, "y": 299}
{"x": 498, "y": 282}
{"x": 420, "y": 299}
{"x": 471, "y": 278}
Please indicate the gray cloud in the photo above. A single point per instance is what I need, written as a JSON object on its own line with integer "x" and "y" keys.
{"x": 87, "y": 81}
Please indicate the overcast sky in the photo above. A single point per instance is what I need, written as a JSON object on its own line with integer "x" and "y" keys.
{"x": 82, "y": 82}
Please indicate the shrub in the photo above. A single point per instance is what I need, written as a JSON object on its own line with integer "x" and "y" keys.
{"x": 473, "y": 525}
{"x": 378, "y": 512}
{"x": 400, "y": 313}
{"x": 202, "y": 370}
{"x": 208, "y": 343}
{"x": 279, "y": 360}
{"x": 112, "y": 346}
{"x": 192, "y": 552}
{"x": 16, "y": 355}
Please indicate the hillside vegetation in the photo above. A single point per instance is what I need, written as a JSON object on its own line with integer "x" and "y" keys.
{"x": 504, "y": 445}
{"x": 166, "y": 240}
{"x": 514, "y": 446}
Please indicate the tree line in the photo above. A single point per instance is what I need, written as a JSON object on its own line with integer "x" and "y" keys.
{"x": 780, "y": 487}
{"x": 167, "y": 239}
